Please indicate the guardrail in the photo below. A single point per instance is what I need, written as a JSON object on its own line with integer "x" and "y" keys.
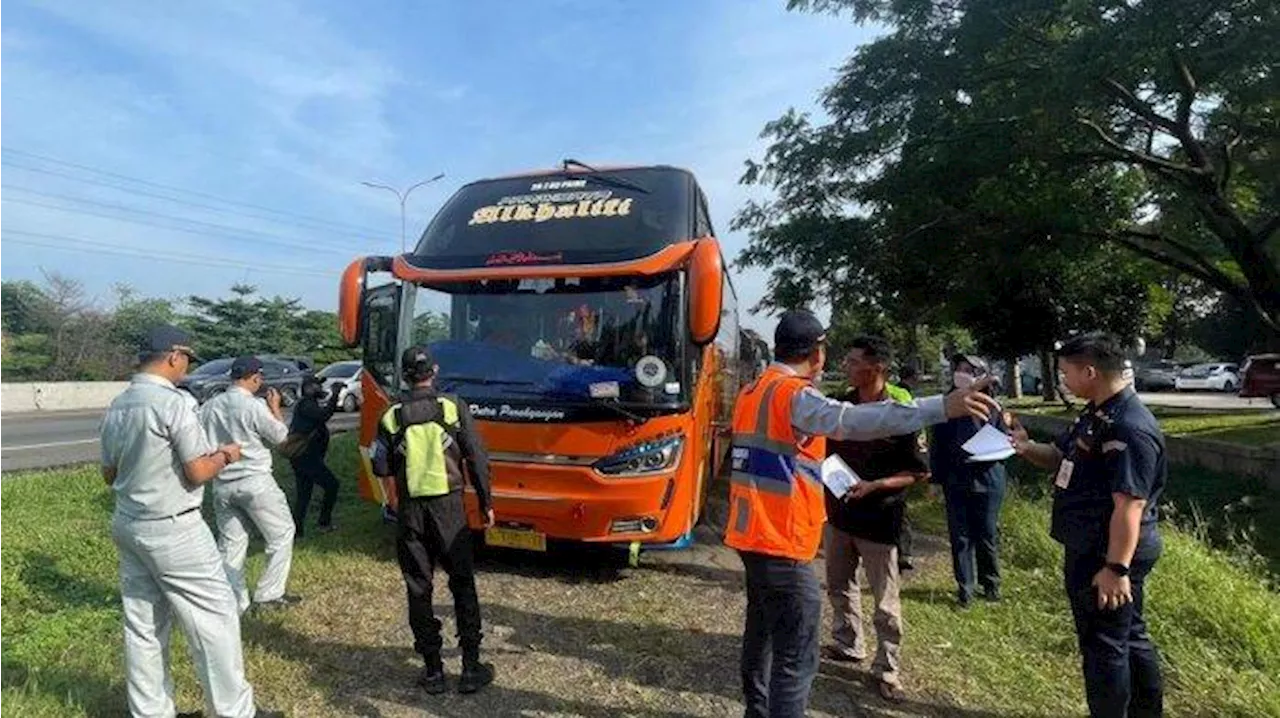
{"x": 59, "y": 396}
{"x": 1261, "y": 462}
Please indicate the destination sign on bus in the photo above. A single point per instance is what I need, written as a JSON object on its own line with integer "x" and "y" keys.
{"x": 545, "y": 211}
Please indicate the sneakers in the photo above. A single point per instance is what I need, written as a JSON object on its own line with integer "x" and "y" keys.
{"x": 326, "y": 528}
{"x": 840, "y": 654}
{"x": 474, "y": 677}
{"x": 264, "y": 713}
{"x": 992, "y": 594}
{"x": 284, "y": 601}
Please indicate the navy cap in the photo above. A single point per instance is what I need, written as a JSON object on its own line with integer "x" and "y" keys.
{"x": 417, "y": 363}
{"x": 798, "y": 332}
{"x": 167, "y": 338}
{"x": 244, "y": 367}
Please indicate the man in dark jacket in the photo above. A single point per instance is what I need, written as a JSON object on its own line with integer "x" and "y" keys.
{"x": 311, "y": 419}
{"x": 427, "y": 447}
{"x": 973, "y": 493}
{"x": 865, "y": 525}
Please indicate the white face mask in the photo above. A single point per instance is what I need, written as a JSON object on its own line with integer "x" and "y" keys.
{"x": 962, "y": 380}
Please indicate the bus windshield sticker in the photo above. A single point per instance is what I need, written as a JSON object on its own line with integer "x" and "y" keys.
{"x": 546, "y": 211}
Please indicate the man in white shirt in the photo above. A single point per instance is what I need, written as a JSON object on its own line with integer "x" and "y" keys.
{"x": 247, "y": 491}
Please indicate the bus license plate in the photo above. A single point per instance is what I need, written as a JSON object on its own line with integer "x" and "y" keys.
{"x": 516, "y": 538}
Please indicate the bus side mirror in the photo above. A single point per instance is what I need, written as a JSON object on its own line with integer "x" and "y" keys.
{"x": 351, "y": 303}
{"x": 706, "y": 287}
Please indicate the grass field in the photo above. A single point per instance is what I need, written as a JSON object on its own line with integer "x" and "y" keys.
{"x": 1252, "y": 427}
{"x": 576, "y": 633}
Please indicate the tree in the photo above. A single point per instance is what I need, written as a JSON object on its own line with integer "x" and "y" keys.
{"x": 1150, "y": 126}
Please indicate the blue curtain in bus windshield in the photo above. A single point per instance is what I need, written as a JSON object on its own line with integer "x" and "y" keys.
{"x": 572, "y": 218}
{"x": 555, "y": 339}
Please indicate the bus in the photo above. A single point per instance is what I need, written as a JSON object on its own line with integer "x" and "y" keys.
{"x": 587, "y": 318}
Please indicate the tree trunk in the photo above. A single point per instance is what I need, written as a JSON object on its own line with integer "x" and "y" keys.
{"x": 1014, "y": 379}
{"x": 1048, "y": 376}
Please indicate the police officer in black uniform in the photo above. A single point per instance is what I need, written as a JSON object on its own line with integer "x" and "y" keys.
{"x": 1110, "y": 472}
{"x": 423, "y": 444}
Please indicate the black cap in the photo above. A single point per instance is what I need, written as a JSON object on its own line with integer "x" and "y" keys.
{"x": 244, "y": 367}
{"x": 798, "y": 333}
{"x": 167, "y": 338}
{"x": 417, "y": 363}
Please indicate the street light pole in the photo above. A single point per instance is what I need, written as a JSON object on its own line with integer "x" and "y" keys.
{"x": 403, "y": 197}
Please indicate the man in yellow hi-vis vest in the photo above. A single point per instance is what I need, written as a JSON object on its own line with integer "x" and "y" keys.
{"x": 423, "y": 443}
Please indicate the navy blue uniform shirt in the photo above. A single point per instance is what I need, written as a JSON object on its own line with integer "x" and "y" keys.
{"x": 1116, "y": 447}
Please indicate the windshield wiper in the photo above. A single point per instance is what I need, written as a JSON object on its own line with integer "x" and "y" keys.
{"x": 608, "y": 180}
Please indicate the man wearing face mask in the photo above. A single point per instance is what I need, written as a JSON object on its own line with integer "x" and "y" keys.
{"x": 1110, "y": 474}
{"x": 311, "y": 420}
{"x": 246, "y": 493}
{"x": 973, "y": 493}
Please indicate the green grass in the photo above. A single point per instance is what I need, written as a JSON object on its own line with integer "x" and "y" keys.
{"x": 1251, "y": 427}
{"x": 1217, "y": 627}
{"x": 573, "y": 634}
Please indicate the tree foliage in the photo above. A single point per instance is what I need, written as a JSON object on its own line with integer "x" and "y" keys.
{"x": 987, "y": 160}
{"x": 53, "y": 332}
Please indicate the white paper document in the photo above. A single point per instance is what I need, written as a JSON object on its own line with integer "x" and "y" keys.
{"x": 837, "y": 476}
{"x": 989, "y": 444}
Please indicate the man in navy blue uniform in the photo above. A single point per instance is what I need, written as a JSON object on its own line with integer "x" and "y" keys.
{"x": 1110, "y": 473}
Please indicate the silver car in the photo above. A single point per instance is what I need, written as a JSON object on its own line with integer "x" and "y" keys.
{"x": 344, "y": 378}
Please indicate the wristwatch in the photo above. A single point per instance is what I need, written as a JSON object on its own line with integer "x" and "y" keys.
{"x": 1118, "y": 569}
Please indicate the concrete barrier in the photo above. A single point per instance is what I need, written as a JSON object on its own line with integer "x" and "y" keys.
{"x": 1261, "y": 462}
{"x": 59, "y": 396}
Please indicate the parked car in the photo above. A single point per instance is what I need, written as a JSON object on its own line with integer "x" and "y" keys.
{"x": 306, "y": 364}
{"x": 1261, "y": 378}
{"x": 212, "y": 378}
{"x": 1209, "y": 377}
{"x": 1157, "y": 376}
{"x": 344, "y": 378}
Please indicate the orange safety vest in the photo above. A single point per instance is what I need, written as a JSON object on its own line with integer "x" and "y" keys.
{"x": 776, "y": 503}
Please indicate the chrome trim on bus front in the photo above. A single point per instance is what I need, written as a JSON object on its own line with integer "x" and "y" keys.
{"x": 518, "y": 457}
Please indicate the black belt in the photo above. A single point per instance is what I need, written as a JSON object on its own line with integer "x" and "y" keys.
{"x": 172, "y": 516}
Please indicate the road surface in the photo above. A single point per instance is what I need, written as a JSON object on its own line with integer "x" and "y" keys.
{"x": 1218, "y": 401}
{"x": 43, "y": 440}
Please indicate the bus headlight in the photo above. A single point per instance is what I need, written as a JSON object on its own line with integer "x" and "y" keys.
{"x": 648, "y": 458}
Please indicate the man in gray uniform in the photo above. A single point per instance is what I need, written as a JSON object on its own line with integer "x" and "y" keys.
{"x": 157, "y": 460}
{"x": 246, "y": 492}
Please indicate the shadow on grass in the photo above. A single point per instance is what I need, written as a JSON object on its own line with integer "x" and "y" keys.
{"x": 96, "y": 696}
{"x": 676, "y": 660}
{"x": 58, "y": 589}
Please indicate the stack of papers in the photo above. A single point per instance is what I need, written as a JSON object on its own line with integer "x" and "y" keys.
{"x": 989, "y": 444}
{"x": 838, "y": 477}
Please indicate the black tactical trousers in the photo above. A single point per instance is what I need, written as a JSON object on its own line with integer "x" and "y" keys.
{"x": 434, "y": 532}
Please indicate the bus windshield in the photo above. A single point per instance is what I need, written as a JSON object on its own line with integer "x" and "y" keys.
{"x": 558, "y": 341}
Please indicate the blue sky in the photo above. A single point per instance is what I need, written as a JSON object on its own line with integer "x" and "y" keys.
{"x": 289, "y": 106}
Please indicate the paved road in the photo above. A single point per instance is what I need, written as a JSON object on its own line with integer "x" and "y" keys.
{"x": 1217, "y": 401}
{"x": 37, "y": 441}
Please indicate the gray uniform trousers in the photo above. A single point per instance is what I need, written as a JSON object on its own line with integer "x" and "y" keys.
{"x": 171, "y": 568}
{"x": 258, "y": 500}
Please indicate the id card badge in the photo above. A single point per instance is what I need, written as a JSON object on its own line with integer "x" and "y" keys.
{"x": 1065, "y": 469}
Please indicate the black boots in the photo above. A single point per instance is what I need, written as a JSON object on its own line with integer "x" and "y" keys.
{"x": 432, "y": 678}
{"x": 475, "y": 675}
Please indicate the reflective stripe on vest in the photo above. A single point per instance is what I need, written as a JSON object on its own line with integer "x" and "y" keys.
{"x": 776, "y": 503}
{"x": 425, "y": 470}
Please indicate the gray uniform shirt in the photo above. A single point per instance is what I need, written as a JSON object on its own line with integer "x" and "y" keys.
{"x": 815, "y": 414}
{"x": 237, "y": 417}
{"x": 149, "y": 432}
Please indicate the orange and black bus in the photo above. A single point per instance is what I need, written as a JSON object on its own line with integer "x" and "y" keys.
{"x": 588, "y": 319}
